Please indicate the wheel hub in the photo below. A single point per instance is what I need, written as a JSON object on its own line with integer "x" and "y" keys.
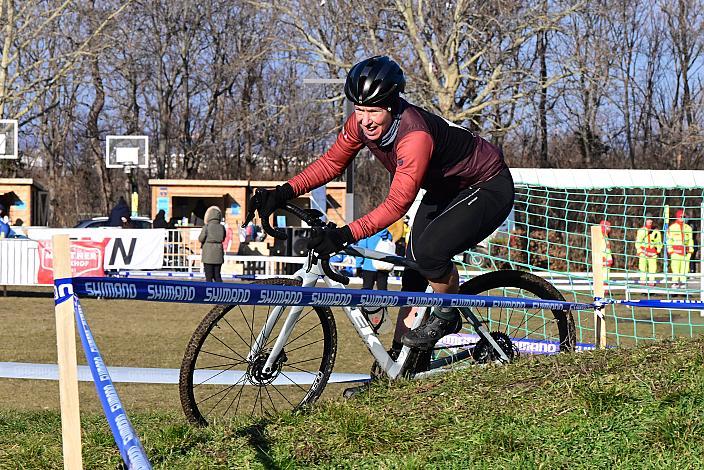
{"x": 256, "y": 373}
{"x": 484, "y": 353}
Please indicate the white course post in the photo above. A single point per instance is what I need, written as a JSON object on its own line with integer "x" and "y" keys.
{"x": 598, "y": 248}
{"x": 66, "y": 349}
{"x": 701, "y": 254}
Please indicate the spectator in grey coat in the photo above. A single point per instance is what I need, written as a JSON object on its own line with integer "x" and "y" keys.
{"x": 211, "y": 237}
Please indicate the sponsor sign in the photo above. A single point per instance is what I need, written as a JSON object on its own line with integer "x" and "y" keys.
{"x": 524, "y": 345}
{"x": 86, "y": 260}
{"x": 124, "y": 248}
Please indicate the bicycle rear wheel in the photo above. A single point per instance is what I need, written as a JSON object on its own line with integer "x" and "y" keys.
{"x": 531, "y": 331}
{"x": 218, "y": 382}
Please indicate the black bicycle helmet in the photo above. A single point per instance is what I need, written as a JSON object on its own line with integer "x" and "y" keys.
{"x": 376, "y": 81}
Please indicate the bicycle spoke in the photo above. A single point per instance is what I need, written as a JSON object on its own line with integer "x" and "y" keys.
{"x": 501, "y": 315}
{"x": 226, "y": 391}
{"x": 244, "y": 361}
{"x": 250, "y": 327}
{"x": 212, "y": 377}
{"x": 254, "y": 406}
{"x": 269, "y": 310}
{"x": 300, "y": 320}
{"x": 308, "y": 330}
{"x": 216, "y": 366}
{"x": 290, "y": 364}
{"x": 294, "y": 383}
{"x": 236, "y": 332}
{"x": 238, "y": 397}
{"x": 251, "y": 338}
{"x": 282, "y": 395}
{"x": 273, "y": 406}
{"x": 300, "y": 370}
{"x": 533, "y": 331}
{"x": 524, "y": 321}
{"x": 305, "y": 345}
{"x": 228, "y": 347}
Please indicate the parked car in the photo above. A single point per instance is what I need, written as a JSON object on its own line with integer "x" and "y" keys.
{"x": 137, "y": 222}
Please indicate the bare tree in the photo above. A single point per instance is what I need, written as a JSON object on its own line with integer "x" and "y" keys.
{"x": 685, "y": 30}
{"x": 24, "y": 80}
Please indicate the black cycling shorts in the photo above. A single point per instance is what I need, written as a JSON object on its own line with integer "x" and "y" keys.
{"x": 445, "y": 226}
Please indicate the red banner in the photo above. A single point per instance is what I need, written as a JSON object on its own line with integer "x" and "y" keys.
{"x": 86, "y": 259}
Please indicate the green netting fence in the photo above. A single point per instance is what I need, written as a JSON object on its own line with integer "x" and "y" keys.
{"x": 549, "y": 235}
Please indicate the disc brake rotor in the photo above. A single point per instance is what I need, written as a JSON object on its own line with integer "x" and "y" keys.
{"x": 256, "y": 373}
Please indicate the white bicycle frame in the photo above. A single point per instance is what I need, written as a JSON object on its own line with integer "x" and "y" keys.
{"x": 310, "y": 274}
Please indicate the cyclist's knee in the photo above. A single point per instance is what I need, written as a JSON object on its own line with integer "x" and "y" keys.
{"x": 436, "y": 272}
{"x": 434, "y": 265}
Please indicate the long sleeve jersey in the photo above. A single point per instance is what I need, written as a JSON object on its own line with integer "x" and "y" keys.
{"x": 428, "y": 152}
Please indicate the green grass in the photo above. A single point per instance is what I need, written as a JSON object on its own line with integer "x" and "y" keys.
{"x": 622, "y": 408}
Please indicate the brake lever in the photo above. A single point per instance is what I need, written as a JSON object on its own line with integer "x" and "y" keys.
{"x": 250, "y": 217}
{"x": 252, "y": 210}
{"x": 312, "y": 260}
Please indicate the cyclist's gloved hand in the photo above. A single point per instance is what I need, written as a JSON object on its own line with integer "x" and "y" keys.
{"x": 266, "y": 202}
{"x": 330, "y": 240}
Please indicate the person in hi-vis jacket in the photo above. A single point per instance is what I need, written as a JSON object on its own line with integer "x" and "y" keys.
{"x": 680, "y": 246}
{"x": 648, "y": 247}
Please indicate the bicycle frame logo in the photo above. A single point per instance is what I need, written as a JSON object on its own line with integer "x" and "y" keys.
{"x": 63, "y": 290}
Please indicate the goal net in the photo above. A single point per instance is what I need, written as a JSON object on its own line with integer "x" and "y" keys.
{"x": 549, "y": 235}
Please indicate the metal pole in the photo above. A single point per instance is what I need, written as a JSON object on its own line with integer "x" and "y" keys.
{"x": 349, "y": 173}
{"x": 134, "y": 194}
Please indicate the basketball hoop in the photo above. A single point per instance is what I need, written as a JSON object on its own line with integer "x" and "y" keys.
{"x": 128, "y": 152}
{"x": 8, "y": 139}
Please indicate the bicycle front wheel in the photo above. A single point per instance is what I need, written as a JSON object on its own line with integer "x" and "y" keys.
{"x": 219, "y": 381}
{"x": 530, "y": 331}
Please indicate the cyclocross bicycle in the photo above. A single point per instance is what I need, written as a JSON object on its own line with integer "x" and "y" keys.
{"x": 255, "y": 360}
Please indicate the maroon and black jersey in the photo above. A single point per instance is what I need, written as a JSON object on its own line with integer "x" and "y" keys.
{"x": 428, "y": 152}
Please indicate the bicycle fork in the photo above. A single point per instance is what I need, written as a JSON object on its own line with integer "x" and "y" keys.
{"x": 281, "y": 339}
{"x": 309, "y": 277}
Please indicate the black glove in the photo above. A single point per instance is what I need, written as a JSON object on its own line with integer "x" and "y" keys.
{"x": 330, "y": 240}
{"x": 266, "y": 202}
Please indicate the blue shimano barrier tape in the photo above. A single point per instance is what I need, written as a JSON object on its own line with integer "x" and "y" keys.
{"x": 125, "y": 437}
{"x": 63, "y": 290}
{"x": 265, "y": 294}
{"x": 668, "y": 304}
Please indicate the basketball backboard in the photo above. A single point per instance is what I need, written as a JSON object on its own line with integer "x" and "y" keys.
{"x": 8, "y": 139}
{"x": 127, "y": 151}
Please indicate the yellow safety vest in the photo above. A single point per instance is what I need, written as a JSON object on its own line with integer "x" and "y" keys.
{"x": 648, "y": 242}
{"x": 679, "y": 239}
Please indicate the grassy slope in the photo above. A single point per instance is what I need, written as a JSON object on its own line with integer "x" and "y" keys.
{"x": 627, "y": 408}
